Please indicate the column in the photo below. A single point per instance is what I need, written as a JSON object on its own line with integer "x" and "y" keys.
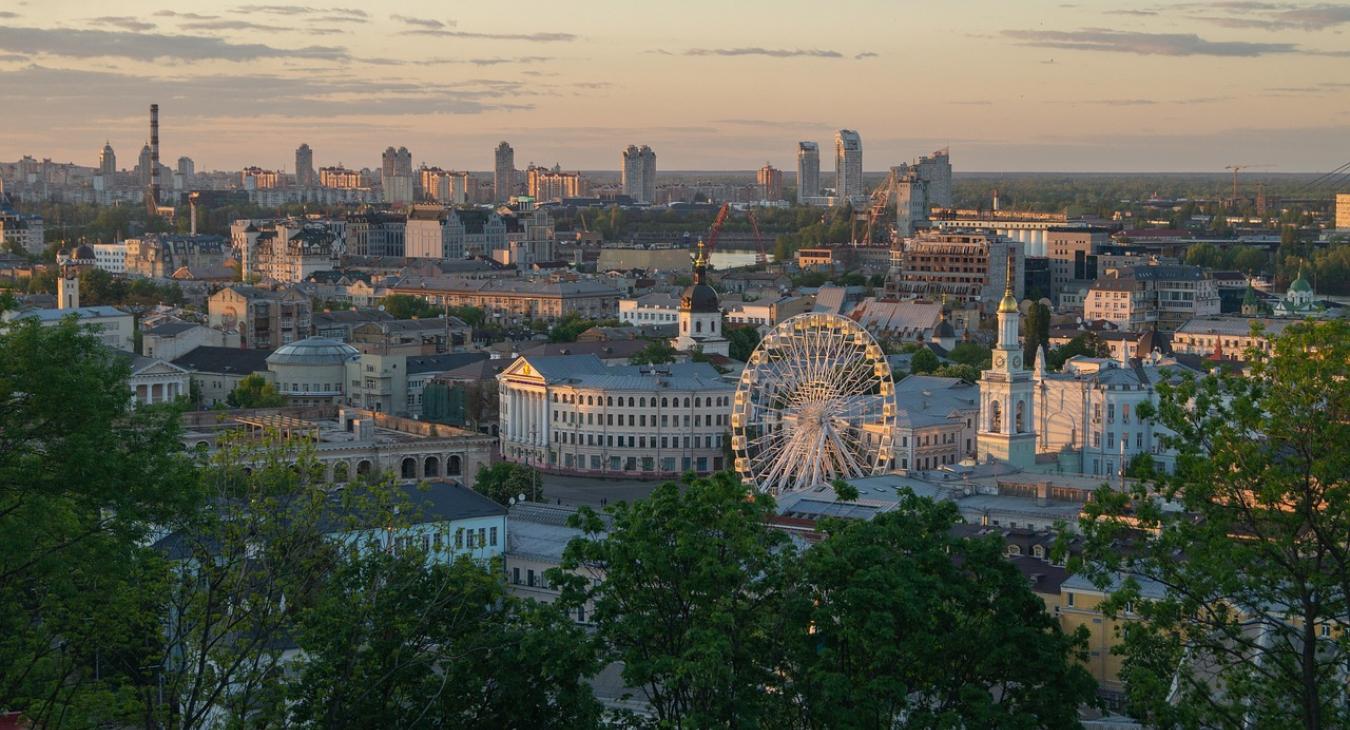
{"x": 513, "y": 417}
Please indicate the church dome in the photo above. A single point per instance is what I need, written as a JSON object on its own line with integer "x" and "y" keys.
{"x": 84, "y": 251}
{"x": 1300, "y": 284}
{"x": 944, "y": 329}
{"x": 700, "y": 298}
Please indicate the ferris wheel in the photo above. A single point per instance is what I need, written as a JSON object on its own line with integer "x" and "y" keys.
{"x": 815, "y": 402}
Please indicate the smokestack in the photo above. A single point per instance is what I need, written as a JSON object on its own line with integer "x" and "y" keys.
{"x": 153, "y": 202}
{"x": 192, "y": 211}
{"x": 995, "y": 198}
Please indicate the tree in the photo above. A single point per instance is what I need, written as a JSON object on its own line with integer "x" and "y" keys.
{"x": 505, "y": 480}
{"x": 253, "y": 391}
{"x": 964, "y": 372}
{"x": 393, "y": 641}
{"x": 742, "y": 342}
{"x": 655, "y": 353}
{"x": 876, "y": 594}
{"x": 82, "y": 477}
{"x": 1088, "y": 344}
{"x": 924, "y": 361}
{"x": 691, "y": 601}
{"x": 569, "y": 328}
{"x": 973, "y": 354}
{"x": 407, "y": 306}
{"x": 1241, "y": 597}
{"x": 1037, "y": 330}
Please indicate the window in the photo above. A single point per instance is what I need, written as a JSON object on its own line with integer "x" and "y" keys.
{"x": 529, "y": 580}
{"x": 1038, "y": 551}
{"x": 1068, "y": 599}
{"x": 459, "y": 538}
{"x": 515, "y": 576}
{"x": 492, "y": 539}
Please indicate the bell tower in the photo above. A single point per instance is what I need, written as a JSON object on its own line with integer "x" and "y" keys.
{"x": 1007, "y": 423}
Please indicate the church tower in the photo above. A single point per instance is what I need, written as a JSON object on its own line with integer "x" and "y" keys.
{"x": 1007, "y": 424}
{"x": 700, "y": 315}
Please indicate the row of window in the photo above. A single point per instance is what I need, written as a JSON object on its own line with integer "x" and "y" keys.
{"x": 592, "y": 419}
{"x": 595, "y": 462}
{"x": 700, "y": 441}
{"x": 464, "y": 538}
{"x": 640, "y": 402}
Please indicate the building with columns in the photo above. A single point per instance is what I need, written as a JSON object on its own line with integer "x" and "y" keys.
{"x": 1007, "y": 422}
{"x": 156, "y": 381}
{"x": 573, "y": 414}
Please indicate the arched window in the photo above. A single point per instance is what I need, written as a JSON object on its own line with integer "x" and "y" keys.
{"x": 630, "y": 402}
{"x": 409, "y": 468}
{"x": 663, "y": 402}
{"x": 431, "y": 467}
{"x": 363, "y": 468}
{"x": 698, "y": 326}
{"x": 1014, "y": 550}
{"x": 642, "y": 402}
{"x": 453, "y": 467}
{"x": 686, "y": 401}
{"x": 995, "y": 417}
{"x": 1021, "y": 416}
{"x": 698, "y": 402}
{"x": 609, "y": 400}
{"x": 340, "y": 472}
{"x": 1038, "y": 551}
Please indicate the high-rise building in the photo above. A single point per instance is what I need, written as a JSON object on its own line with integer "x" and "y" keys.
{"x": 936, "y": 171}
{"x": 143, "y": 167}
{"x": 848, "y": 167}
{"x": 184, "y": 173}
{"x": 396, "y": 178}
{"x": 770, "y": 180}
{"x": 1343, "y": 211}
{"x": 339, "y": 177}
{"x": 304, "y": 167}
{"x": 966, "y": 266}
{"x": 107, "y": 163}
{"x": 639, "y": 173}
{"x": 503, "y": 172}
{"x": 808, "y": 171}
{"x": 545, "y": 184}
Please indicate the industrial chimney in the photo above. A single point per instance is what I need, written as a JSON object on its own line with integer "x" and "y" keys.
{"x": 152, "y": 195}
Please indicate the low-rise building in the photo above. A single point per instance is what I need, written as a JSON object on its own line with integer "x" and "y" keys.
{"x": 413, "y": 336}
{"x": 935, "y": 423}
{"x": 1227, "y": 337}
{"x": 352, "y": 443}
{"x": 966, "y": 266}
{"x": 537, "y": 534}
{"x": 174, "y": 338}
{"x": 111, "y": 257}
{"x": 1140, "y": 297}
{"x": 153, "y": 380}
{"x": 159, "y": 255}
{"x": 573, "y": 414}
{"x": 216, "y": 371}
{"x": 652, "y": 308}
{"x": 512, "y": 301}
{"x": 312, "y": 370}
{"x": 112, "y": 326}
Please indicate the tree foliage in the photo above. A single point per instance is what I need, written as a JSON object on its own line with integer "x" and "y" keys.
{"x": 655, "y": 353}
{"x": 742, "y": 342}
{"x": 723, "y": 622}
{"x": 1088, "y": 344}
{"x": 505, "y": 480}
{"x": 253, "y": 391}
{"x": 1242, "y": 595}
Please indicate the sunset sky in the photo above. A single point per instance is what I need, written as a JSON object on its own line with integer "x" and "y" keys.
{"x": 1025, "y": 85}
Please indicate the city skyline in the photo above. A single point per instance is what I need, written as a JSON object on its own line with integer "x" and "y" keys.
{"x": 1037, "y": 87}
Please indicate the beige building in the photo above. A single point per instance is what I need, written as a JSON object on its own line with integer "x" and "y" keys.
{"x": 511, "y": 301}
{"x": 352, "y": 443}
{"x": 262, "y": 317}
{"x": 619, "y": 258}
{"x": 967, "y": 266}
{"x": 815, "y": 258}
{"x": 312, "y": 370}
{"x": 1343, "y": 211}
{"x": 1072, "y": 253}
{"x": 545, "y": 184}
{"x": 575, "y": 415}
{"x": 936, "y": 422}
{"x": 1228, "y": 337}
{"x": 1143, "y": 296}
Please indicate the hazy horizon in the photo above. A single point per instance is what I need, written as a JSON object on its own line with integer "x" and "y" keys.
{"x": 1038, "y": 86}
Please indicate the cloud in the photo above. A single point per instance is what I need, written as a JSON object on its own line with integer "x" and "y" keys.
{"x": 227, "y": 25}
{"x": 422, "y": 22}
{"x": 770, "y": 52}
{"x": 12, "y": 58}
{"x": 864, "y": 54}
{"x": 123, "y": 22}
{"x": 64, "y": 93}
{"x": 148, "y": 46}
{"x": 442, "y": 60}
{"x": 532, "y": 37}
{"x": 184, "y": 16}
{"x": 777, "y": 123}
{"x": 1145, "y": 44}
{"x": 8, "y": 14}
{"x": 292, "y": 10}
{"x": 1133, "y": 12}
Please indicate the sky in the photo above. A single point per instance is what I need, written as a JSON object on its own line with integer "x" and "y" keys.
{"x": 1029, "y": 85}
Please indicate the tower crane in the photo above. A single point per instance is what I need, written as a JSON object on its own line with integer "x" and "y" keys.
{"x": 1235, "y": 169}
{"x": 880, "y": 200}
{"x": 716, "y": 229}
{"x": 761, "y": 256}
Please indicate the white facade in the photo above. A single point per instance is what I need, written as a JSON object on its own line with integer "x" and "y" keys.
{"x": 1007, "y": 421}
{"x": 655, "y": 308}
{"x": 111, "y": 257}
{"x": 574, "y": 414}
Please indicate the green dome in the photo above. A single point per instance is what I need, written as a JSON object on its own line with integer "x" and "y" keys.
{"x": 1300, "y": 284}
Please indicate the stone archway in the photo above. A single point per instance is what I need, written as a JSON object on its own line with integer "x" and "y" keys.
{"x": 431, "y": 467}
{"x": 341, "y": 472}
{"x": 408, "y": 469}
{"x": 454, "y": 466}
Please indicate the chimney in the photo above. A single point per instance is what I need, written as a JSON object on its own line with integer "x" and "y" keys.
{"x": 995, "y": 198}
{"x": 152, "y": 202}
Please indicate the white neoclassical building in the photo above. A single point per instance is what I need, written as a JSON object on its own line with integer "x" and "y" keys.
{"x": 574, "y": 414}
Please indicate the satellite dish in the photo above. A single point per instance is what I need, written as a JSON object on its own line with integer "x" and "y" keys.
{"x": 521, "y": 496}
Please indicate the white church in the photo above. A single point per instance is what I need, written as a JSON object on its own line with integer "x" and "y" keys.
{"x": 1084, "y": 419}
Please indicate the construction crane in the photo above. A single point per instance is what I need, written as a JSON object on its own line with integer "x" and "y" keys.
{"x": 761, "y": 256}
{"x": 1235, "y": 169}
{"x": 881, "y": 199}
{"x": 717, "y": 224}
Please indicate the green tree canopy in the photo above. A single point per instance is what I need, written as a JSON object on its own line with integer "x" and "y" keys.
{"x": 505, "y": 480}
{"x": 924, "y": 361}
{"x": 655, "y": 353}
{"x": 253, "y": 391}
{"x": 1242, "y": 596}
{"x": 407, "y": 306}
